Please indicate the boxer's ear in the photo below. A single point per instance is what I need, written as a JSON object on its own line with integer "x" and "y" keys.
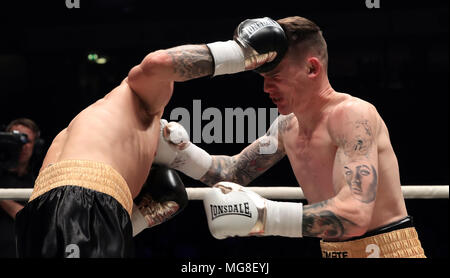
{"x": 314, "y": 67}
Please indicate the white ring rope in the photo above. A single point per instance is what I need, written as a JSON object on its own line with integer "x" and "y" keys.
{"x": 273, "y": 192}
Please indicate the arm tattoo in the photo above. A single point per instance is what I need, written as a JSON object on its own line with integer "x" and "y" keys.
{"x": 241, "y": 169}
{"x": 253, "y": 161}
{"x": 319, "y": 221}
{"x": 191, "y": 61}
{"x": 362, "y": 181}
{"x": 221, "y": 168}
{"x": 283, "y": 124}
{"x": 361, "y": 143}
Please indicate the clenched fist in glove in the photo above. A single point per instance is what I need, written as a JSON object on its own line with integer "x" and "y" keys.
{"x": 162, "y": 197}
{"x": 258, "y": 44}
{"x": 233, "y": 210}
{"x": 176, "y": 151}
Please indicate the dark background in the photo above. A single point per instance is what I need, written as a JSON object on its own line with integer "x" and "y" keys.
{"x": 395, "y": 57}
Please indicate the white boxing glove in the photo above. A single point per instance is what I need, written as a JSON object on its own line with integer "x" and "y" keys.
{"x": 233, "y": 210}
{"x": 176, "y": 151}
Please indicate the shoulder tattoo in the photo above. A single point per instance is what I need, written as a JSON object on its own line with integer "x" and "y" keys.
{"x": 361, "y": 140}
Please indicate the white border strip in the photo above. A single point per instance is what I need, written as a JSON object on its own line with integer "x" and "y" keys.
{"x": 270, "y": 192}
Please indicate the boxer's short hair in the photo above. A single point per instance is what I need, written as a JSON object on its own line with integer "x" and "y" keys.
{"x": 302, "y": 32}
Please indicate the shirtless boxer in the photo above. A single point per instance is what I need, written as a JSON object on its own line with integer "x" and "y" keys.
{"x": 83, "y": 198}
{"x": 339, "y": 149}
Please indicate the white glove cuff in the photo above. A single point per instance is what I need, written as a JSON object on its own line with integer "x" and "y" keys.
{"x": 284, "y": 219}
{"x": 228, "y": 57}
{"x": 138, "y": 221}
{"x": 196, "y": 163}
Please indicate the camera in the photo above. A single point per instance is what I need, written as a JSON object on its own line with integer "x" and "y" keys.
{"x": 10, "y": 147}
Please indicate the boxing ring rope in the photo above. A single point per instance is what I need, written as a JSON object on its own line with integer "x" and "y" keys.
{"x": 269, "y": 192}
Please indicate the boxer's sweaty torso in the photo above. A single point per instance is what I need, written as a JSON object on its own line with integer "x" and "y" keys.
{"x": 312, "y": 156}
{"x": 115, "y": 130}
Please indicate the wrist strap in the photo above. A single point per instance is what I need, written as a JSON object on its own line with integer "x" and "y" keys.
{"x": 228, "y": 57}
{"x": 284, "y": 219}
{"x": 193, "y": 161}
{"x": 138, "y": 221}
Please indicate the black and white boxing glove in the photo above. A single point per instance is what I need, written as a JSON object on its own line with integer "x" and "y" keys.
{"x": 161, "y": 198}
{"x": 258, "y": 44}
{"x": 176, "y": 151}
{"x": 233, "y": 210}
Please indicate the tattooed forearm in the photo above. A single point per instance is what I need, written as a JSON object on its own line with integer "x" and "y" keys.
{"x": 253, "y": 160}
{"x": 319, "y": 221}
{"x": 324, "y": 224}
{"x": 243, "y": 168}
{"x": 221, "y": 170}
{"x": 191, "y": 61}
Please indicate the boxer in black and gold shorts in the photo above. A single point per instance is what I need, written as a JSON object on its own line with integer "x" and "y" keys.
{"x": 82, "y": 208}
{"x": 397, "y": 240}
{"x": 77, "y": 208}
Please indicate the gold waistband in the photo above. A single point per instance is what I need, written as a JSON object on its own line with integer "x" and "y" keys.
{"x": 402, "y": 243}
{"x": 92, "y": 175}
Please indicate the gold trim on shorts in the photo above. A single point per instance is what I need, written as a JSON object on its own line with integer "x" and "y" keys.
{"x": 92, "y": 175}
{"x": 402, "y": 243}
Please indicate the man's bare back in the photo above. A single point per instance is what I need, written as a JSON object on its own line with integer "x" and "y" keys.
{"x": 312, "y": 156}
{"x": 115, "y": 130}
{"x": 122, "y": 129}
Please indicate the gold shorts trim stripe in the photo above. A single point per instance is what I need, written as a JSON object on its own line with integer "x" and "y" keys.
{"x": 92, "y": 175}
{"x": 402, "y": 243}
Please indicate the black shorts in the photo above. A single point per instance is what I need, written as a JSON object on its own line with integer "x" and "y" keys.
{"x": 73, "y": 221}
